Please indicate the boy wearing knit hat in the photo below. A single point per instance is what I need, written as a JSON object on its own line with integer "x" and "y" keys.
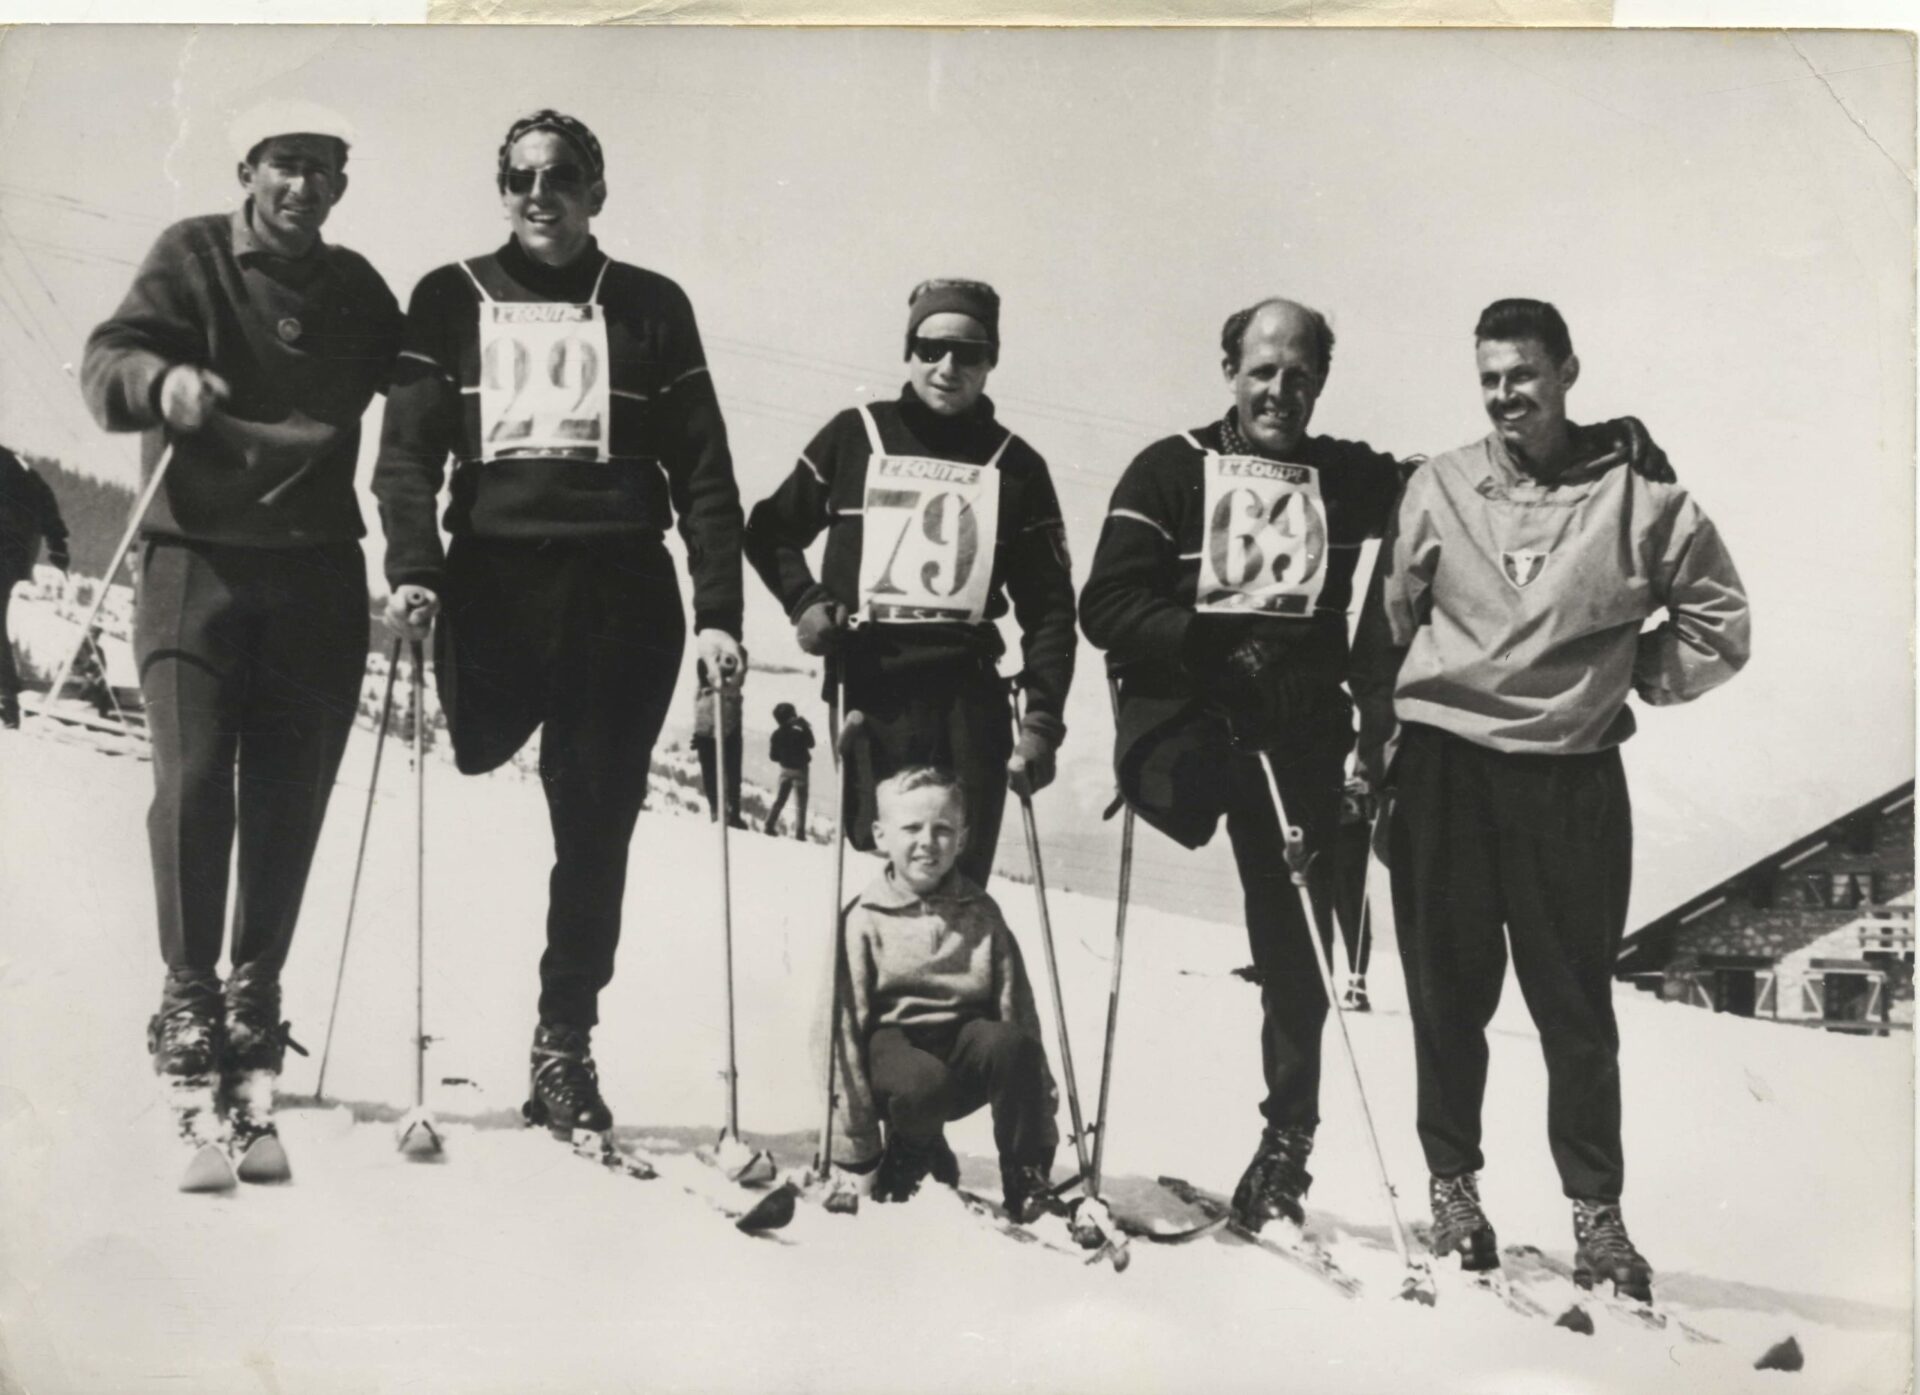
{"x": 248, "y": 347}
{"x": 938, "y": 520}
{"x": 571, "y": 393}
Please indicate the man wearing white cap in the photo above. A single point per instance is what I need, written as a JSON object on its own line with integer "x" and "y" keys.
{"x": 250, "y": 348}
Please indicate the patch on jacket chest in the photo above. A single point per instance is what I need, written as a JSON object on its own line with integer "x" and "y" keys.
{"x": 1523, "y": 566}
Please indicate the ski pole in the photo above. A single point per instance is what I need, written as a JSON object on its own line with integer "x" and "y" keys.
{"x": 1053, "y": 973}
{"x": 419, "y": 1138}
{"x": 1419, "y": 1281}
{"x": 113, "y": 569}
{"x": 843, "y": 759}
{"x": 726, "y": 898}
{"x": 1113, "y": 991}
{"x": 359, "y": 862}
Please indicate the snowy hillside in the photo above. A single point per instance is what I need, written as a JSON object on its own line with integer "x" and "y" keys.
{"x": 1769, "y": 1168}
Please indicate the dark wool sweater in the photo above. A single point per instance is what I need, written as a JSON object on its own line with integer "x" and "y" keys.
{"x": 303, "y": 342}
{"x": 668, "y": 445}
{"x": 28, "y": 512}
{"x": 827, "y": 491}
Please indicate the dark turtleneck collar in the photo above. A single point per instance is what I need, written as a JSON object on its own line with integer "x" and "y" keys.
{"x": 972, "y": 428}
{"x": 572, "y": 282}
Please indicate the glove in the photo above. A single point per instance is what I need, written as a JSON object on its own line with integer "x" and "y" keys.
{"x": 820, "y": 626}
{"x": 1032, "y": 767}
{"x": 1208, "y": 641}
{"x": 1267, "y": 700}
{"x": 1357, "y": 802}
{"x": 1644, "y": 456}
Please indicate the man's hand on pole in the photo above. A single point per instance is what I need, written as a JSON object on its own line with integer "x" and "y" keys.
{"x": 189, "y": 396}
{"x": 720, "y": 653}
{"x": 410, "y": 612}
{"x": 818, "y": 628}
{"x": 1032, "y": 767}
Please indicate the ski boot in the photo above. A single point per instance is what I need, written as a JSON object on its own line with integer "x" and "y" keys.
{"x": 1459, "y": 1225}
{"x": 1353, "y": 998}
{"x": 184, "y": 1039}
{"x": 1027, "y": 1191}
{"x": 1603, "y": 1251}
{"x": 565, "y": 1090}
{"x": 907, "y": 1163}
{"x": 255, "y": 1046}
{"x": 1275, "y": 1181}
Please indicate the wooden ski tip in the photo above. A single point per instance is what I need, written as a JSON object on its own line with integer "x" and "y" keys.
{"x": 772, "y": 1212}
{"x": 1781, "y": 1356}
{"x": 265, "y": 1162}
{"x": 418, "y": 1140}
{"x": 1576, "y": 1319}
{"x": 208, "y": 1170}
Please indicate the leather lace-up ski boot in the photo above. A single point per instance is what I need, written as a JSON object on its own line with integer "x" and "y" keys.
{"x": 185, "y": 1038}
{"x": 906, "y": 1164}
{"x": 1603, "y": 1251}
{"x": 1459, "y": 1225}
{"x": 253, "y": 1049}
{"x": 1027, "y": 1191}
{"x": 565, "y": 1086}
{"x": 1275, "y": 1181}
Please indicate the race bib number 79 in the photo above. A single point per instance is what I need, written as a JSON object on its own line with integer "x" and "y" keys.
{"x": 927, "y": 546}
{"x": 543, "y": 381}
{"x": 1264, "y": 547}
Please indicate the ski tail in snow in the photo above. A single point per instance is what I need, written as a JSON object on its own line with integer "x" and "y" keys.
{"x": 1303, "y": 1253}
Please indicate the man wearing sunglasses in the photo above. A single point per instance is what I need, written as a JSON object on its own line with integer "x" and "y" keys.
{"x": 249, "y": 347}
{"x": 572, "y": 393}
{"x": 937, "y": 517}
{"x": 1220, "y": 590}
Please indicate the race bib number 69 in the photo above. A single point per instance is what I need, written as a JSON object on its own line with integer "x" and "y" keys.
{"x": 927, "y": 546}
{"x": 543, "y": 381}
{"x": 1264, "y": 547}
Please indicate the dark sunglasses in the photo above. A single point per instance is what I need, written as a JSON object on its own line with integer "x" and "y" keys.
{"x": 561, "y": 179}
{"x": 967, "y": 353}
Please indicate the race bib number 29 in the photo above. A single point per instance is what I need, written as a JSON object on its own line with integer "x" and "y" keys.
{"x": 1264, "y": 548}
{"x": 543, "y": 381}
{"x": 926, "y": 550}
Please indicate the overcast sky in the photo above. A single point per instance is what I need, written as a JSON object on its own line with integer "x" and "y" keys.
{"x": 1725, "y": 219}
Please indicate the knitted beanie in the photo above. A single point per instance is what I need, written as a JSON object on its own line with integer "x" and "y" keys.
{"x": 942, "y": 296}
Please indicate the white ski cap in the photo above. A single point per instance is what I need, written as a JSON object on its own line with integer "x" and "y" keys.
{"x": 285, "y": 117}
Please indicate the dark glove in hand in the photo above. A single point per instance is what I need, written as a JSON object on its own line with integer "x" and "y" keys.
{"x": 1032, "y": 767}
{"x": 1209, "y": 639}
{"x": 819, "y": 627}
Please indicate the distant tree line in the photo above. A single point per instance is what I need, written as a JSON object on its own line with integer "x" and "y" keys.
{"x": 96, "y": 512}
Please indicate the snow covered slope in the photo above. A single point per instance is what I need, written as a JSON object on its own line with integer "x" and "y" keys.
{"x": 1769, "y": 1167}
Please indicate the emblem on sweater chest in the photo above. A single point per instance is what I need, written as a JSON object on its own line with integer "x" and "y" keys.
{"x": 290, "y": 330}
{"x": 1523, "y": 567}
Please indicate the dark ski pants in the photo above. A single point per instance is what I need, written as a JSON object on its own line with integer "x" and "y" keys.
{"x": 250, "y": 660}
{"x": 581, "y": 637}
{"x": 1351, "y": 853}
{"x": 1541, "y": 847}
{"x": 792, "y": 782}
{"x": 1293, "y": 1002}
{"x": 926, "y": 1076}
{"x": 704, "y": 748}
{"x": 957, "y": 719}
{"x": 9, "y": 671}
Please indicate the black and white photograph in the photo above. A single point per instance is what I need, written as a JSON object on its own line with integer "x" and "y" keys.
{"x": 950, "y": 710}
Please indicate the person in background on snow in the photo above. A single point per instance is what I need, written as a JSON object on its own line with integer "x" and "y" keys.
{"x": 937, "y": 1014}
{"x": 703, "y": 743}
{"x": 88, "y": 677}
{"x": 572, "y": 393}
{"x": 1219, "y": 591}
{"x": 28, "y": 513}
{"x": 1503, "y": 635}
{"x": 250, "y": 347}
{"x": 791, "y": 748}
{"x": 936, "y": 516}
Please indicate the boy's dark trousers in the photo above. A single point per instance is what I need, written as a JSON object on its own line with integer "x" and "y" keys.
{"x": 956, "y": 717}
{"x": 1539, "y": 847}
{"x": 792, "y": 782}
{"x": 581, "y": 637}
{"x": 251, "y": 661}
{"x": 925, "y": 1076}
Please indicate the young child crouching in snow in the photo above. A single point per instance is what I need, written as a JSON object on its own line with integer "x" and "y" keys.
{"x": 937, "y": 1016}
